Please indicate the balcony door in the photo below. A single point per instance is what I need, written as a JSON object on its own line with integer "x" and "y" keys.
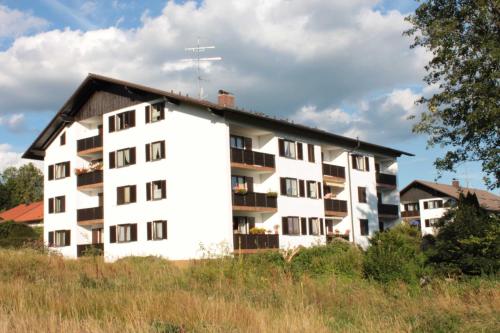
{"x": 243, "y": 224}
{"x": 97, "y": 235}
{"x": 101, "y": 199}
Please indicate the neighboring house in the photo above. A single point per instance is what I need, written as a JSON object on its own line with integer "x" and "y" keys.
{"x": 29, "y": 214}
{"x": 141, "y": 171}
{"x": 424, "y": 202}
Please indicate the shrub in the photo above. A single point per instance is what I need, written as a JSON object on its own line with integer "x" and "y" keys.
{"x": 338, "y": 257}
{"x": 15, "y": 235}
{"x": 395, "y": 255}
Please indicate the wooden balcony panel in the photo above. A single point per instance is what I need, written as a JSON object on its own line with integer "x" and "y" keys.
{"x": 247, "y": 243}
{"x": 254, "y": 202}
{"x": 386, "y": 181}
{"x": 89, "y": 146}
{"x": 252, "y": 160}
{"x": 388, "y": 211}
{"x": 335, "y": 208}
{"x": 90, "y": 216}
{"x": 90, "y": 181}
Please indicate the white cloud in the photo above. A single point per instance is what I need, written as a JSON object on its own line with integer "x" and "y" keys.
{"x": 14, "y": 23}
{"x": 13, "y": 122}
{"x": 10, "y": 158}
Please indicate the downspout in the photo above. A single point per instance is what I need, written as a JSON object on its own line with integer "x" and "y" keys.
{"x": 349, "y": 152}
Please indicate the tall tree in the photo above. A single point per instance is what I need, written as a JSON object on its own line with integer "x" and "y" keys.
{"x": 20, "y": 185}
{"x": 463, "y": 37}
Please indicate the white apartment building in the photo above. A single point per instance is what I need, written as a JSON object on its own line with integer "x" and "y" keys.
{"x": 423, "y": 203}
{"x": 139, "y": 171}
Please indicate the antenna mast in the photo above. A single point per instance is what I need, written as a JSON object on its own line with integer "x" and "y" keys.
{"x": 198, "y": 50}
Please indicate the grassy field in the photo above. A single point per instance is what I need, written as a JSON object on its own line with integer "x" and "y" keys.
{"x": 45, "y": 293}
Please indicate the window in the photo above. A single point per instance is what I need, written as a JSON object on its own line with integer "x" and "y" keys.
{"x": 433, "y": 204}
{"x": 430, "y": 222}
{"x": 59, "y": 238}
{"x": 122, "y": 158}
{"x": 411, "y": 207}
{"x": 62, "y": 139}
{"x": 291, "y": 187}
{"x": 157, "y": 230}
{"x": 290, "y": 149}
{"x": 156, "y": 190}
{"x": 363, "y": 226}
{"x": 123, "y": 233}
{"x": 97, "y": 236}
{"x": 155, "y": 151}
{"x": 122, "y": 121}
{"x": 238, "y": 183}
{"x": 237, "y": 142}
{"x": 360, "y": 163}
{"x": 57, "y": 205}
{"x": 291, "y": 226}
{"x": 126, "y": 194}
{"x": 312, "y": 189}
{"x": 155, "y": 112}
{"x": 243, "y": 224}
{"x": 59, "y": 170}
{"x": 362, "y": 194}
{"x": 310, "y": 152}
{"x": 314, "y": 226}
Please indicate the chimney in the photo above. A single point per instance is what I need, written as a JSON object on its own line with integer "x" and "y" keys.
{"x": 455, "y": 183}
{"x": 226, "y": 99}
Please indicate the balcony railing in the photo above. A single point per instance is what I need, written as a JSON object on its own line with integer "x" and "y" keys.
{"x": 90, "y": 214}
{"x": 410, "y": 213}
{"x": 89, "y": 143}
{"x": 89, "y": 178}
{"x": 334, "y": 205}
{"x": 255, "y": 242}
{"x": 384, "y": 209}
{"x": 254, "y": 200}
{"x": 386, "y": 179}
{"x": 82, "y": 249}
{"x": 252, "y": 158}
{"x": 333, "y": 170}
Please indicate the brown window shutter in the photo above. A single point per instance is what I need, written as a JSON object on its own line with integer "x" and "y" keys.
{"x": 150, "y": 230}
{"x": 163, "y": 189}
{"x": 283, "y": 186}
{"x": 67, "y": 237}
{"x": 148, "y": 110}
{"x": 360, "y": 195}
{"x": 133, "y": 232}
{"x": 281, "y": 147}
{"x": 111, "y": 124}
{"x": 148, "y": 191}
{"x": 319, "y": 190}
{"x": 321, "y": 226}
{"x": 247, "y": 143}
{"x": 308, "y": 193}
{"x": 112, "y": 160}
{"x": 63, "y": 204}
{"x": 162, "y": 110}
{"x": 51, "y": 238}
{"x": 299, "y": 151}
{"x": 440, "y": 204}
{"x": 310, "y": 152}
{"x": 426, "y": 205}
{"x": 367, "y": 162}
{"x": 163, "y": 149}
{"x": 119, "y": 195}
{"x": 148, "y": 152}
{"x": 165, "y": 234}
{"x": 132, "y": 155}
{"x": 354, "y": 162}
{"x": 132, "y": 118}
{"x": 249, "y": 181}
{"x": 63, "y": 139}
{"x": 112, "y": 234}
{"x": 303, "y": 226}
{"x": 310, "y": 226}
{"x": 133, "y": 193}
{"x": 51, "y": 172}
{"x": 284, "y": 226}
{"x": 67, "y": 169}
{"x": 301, "y": 188}
{"x": 51, "y": 205}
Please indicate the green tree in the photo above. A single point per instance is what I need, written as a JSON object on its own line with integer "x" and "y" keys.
{"x": 463, "y": 37}
{"x": 20, "y": 185}
{"x": 468, "y": 239}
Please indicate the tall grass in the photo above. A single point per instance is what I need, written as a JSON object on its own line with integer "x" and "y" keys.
{"x": 45, "y": 293}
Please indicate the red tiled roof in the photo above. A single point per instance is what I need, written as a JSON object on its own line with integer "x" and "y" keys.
{"x": 24, "y": 213}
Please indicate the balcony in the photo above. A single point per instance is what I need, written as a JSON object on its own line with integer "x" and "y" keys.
{"x": 410, "y": 213}
{"x": 90, "y": 216}
{"x": 386, "y": 180}
{"x": 252, "y": 160}
{"x": 89, "y": 146}
{"x": 335, "y": 207}
{"x": 389, "y": 211}
{"x": 333, "y": 175}
{"x": 81, "y": 249}
{"x": 252, "y": 243}
{"x": 254, "y": 202}
{"x": 90, "y": 180}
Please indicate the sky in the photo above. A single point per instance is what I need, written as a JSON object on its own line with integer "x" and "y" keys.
{"x": 342, "y": 66}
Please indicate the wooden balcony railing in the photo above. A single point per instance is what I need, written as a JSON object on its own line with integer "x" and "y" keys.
{"x": 255, "y": 242}
{"x": 335, "y": 207}
{"x": 89, "y": 214}
{"x": 82, "y": 249}
{"x": 333, "y": 171}
{"x": 90, "y": 178}
{"x": 386, "y": 179}
{"x": 250, "y": 157}
{"x": 254, "y": 200}
{"x": 410, "y": 213}
{"x": 384, "y": 209}
{"x": 89, "y": 143}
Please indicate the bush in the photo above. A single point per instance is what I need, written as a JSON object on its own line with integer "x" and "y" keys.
{"x": 395, "y": 255}
{"x": 338, "y": 257}
{"x": 15, "y": 235}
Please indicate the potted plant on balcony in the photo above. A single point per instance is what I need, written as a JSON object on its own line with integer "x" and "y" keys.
{"x": 81, "y": 171}
{"x": 257, "y": 231}
{"x": 272, "y": 194}
{"x": 96, "y": 165}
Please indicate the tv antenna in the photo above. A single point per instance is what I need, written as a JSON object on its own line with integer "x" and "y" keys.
{"x": 198, "y": 50}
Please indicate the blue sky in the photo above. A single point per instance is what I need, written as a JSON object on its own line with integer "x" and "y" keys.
{"x": 341, "y": 66}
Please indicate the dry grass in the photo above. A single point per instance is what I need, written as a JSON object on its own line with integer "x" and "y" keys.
{"x": 48, "y": 294}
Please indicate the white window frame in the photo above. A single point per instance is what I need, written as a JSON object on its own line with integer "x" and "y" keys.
{"x": 154, "y": 113}
{"x": 235, "y": 141}
{"x": 315, "y": 226}
{"x": 123, "y": 233}
{"x": 152, "y": 147}
{"x": 123, "y": 155}
{"x": 290, "y": 149}
{"x": 127, "y": 193}
{"x": 57, "y": 205}
{"x": 158, "y": 235}
{"x": 156, "y": 190}
{"x": 360, "y": 162}
{"x": 292, "y": 186}
{"x": 293, "y": 226}
{"x": 312, "y": 190}
{"x": 59, "y": 238}
{"x": 60, "y": 170}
